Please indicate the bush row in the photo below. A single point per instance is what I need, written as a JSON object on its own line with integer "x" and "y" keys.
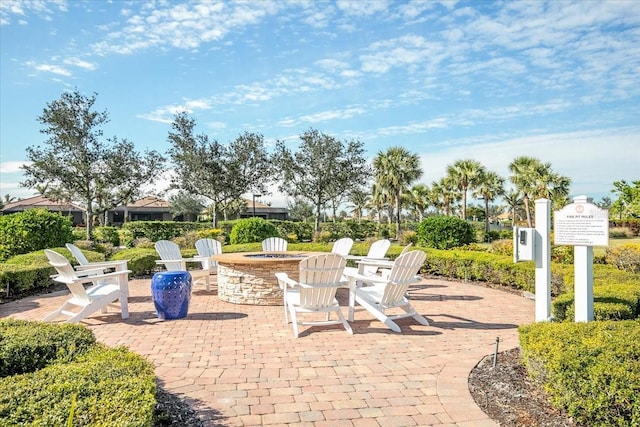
{"x": 592, "y": 370}
{"x": 111, "y": 387}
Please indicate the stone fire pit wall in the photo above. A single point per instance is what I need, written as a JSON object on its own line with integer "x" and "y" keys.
{"x": 254, "y": 283}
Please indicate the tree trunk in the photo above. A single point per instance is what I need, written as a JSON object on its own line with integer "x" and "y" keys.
{"x": 526, "y": 208}
{"x": 486, "y": 215}
{"x": 398, "y": 215}
{"x": 89, "y": 222}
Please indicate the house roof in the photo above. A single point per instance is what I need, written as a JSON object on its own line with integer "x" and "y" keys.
{"x": 148, "y": 203}
{"x": 40, "y": 202}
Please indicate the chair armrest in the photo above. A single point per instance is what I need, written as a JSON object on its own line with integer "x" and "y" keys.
{"x": 165, "y": 261}
{"x": 363, "y": 278}
{"x": 95, "y": 271}
{"x": 100, "y": 264}
{"x": 284, "y": 278}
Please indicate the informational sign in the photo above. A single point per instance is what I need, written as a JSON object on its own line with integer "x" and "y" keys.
{"x": 581, "y": 224}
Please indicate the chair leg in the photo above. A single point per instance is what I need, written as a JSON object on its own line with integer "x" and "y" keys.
{"x": 417, "y": 316}
{"x": 379, "y": 314}
{"x": 346, "y": 324}
{"x": 294, "y": 321}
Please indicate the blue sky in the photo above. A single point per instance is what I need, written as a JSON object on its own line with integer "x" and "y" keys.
{"x": 490, "y": 81}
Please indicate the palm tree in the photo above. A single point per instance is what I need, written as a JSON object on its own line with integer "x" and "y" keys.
{"x": 359, "y": 201}
{"x": 490, "y": 186}
{"x": 445, "y": 194}
{"x": 378, "y": 201}
{"x": 420, "y": 199}
{"x": 467, "y": 174}
{"x": 523, "y": 176}
{"x": 514, "y": 202}
{"x": 394, "y": 171}
{"x": 534, "y": 179}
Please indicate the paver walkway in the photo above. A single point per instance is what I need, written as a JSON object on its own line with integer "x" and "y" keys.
{"x": 239, "y": 365}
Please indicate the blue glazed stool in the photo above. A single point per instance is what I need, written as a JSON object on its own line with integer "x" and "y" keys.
{"x": 171, "y": 293}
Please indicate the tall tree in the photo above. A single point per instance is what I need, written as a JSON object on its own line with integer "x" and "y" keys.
{"x": 489, "y": 187}
{"x": 420, "y": 200}
{"x": 359, "y": 200}
{"x": 77, "y": 165}
{"x": 321, "y": 169}
{"x": 222, "y": 174}
{"x": 514, "y": 204}
{"x": 466, "y": 173}
{"x": 199, "y": 164}
{"x": 627, "y": 204}
{"x": 535, "y": 179}
{"x": 445, "y": 194}
{"x": 395, "y": 170}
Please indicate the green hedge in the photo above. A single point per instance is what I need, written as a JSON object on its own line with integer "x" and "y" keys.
{"x": 592, "y": 370}
{"x": 161, "y": 230}
{"x": 22, "y": 273}
{"x": 46, "y": 366}
{"x": 113, "y": 387}
{"x": 616, "y": 294}
{"x": 28, "y": 346}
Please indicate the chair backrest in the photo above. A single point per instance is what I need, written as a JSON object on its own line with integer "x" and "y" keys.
{"x": 67, "y": 275}
{"x": 342, "y": 246}
{"x": 274, "y": 244}
{"x": 403, "y": 273}
{"x": 169, "y": 250}
{"x": 379, "y": 248}
{"x": 208, "y": 247}
{"x": 77, "y": 254}
{"x": 320, "y": 277}
{"x": 406, "y": 249}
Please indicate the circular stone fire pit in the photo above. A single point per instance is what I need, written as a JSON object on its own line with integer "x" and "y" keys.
{"x": 249, "y": 277}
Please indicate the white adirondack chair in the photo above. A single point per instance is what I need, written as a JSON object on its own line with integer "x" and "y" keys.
{"x": 274, "y": 244}
{"x": 84, "y": 263}
{"x": 342, "y": 246}
{"x": 206, "y": 249}
{"x": 111, "y": 287}
{"x": 384, "y": 272}
{"x": 315, "y": 291}
{"x": 388, "y": 294}
{"x": 172, "y": 260}
{"x": 377, "y": 251}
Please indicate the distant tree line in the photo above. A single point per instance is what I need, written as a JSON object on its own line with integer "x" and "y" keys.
{"x": 321, "y": 173}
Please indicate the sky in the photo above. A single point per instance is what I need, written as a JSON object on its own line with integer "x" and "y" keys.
{"x": 490, "y": 81}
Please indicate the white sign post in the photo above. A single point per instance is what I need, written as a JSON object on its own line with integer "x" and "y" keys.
{"x": 583, "y": 225}
{"x": 543, "y": 260}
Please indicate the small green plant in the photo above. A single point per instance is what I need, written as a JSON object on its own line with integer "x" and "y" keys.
{"x": 445, "y": 232}
{"x": 251, "y": 230}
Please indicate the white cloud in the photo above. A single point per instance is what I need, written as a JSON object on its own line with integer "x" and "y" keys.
{"x": 76, "y": 62}
{"x": 49, "y": 68}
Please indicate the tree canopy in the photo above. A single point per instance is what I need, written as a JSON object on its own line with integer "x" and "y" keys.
{"x": 221, "y": 173}
{"x": 324, "y": 168}
{"x": 77, "y": 165}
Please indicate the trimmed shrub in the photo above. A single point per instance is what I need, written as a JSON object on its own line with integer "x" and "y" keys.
{"x": 502, "y": 247}
{"x": 624, "y": 257}
{"x": 114, "y": 387}
{"x": 141, "y": 261}
{"x": 161, "y": 230}
{"x": 592, "y": 370}
{"x": 33, "y": 229}
{"x": 28, "y": 346}
{"x": 249, "y": 230}
{"x": 107, "y": 235}
{"x": 445, "y": 232}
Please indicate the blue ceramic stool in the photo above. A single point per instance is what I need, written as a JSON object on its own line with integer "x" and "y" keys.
{"x": 171, "y": 292}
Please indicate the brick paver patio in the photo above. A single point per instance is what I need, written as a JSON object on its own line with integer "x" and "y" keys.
{"x": 239, "y": 365}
